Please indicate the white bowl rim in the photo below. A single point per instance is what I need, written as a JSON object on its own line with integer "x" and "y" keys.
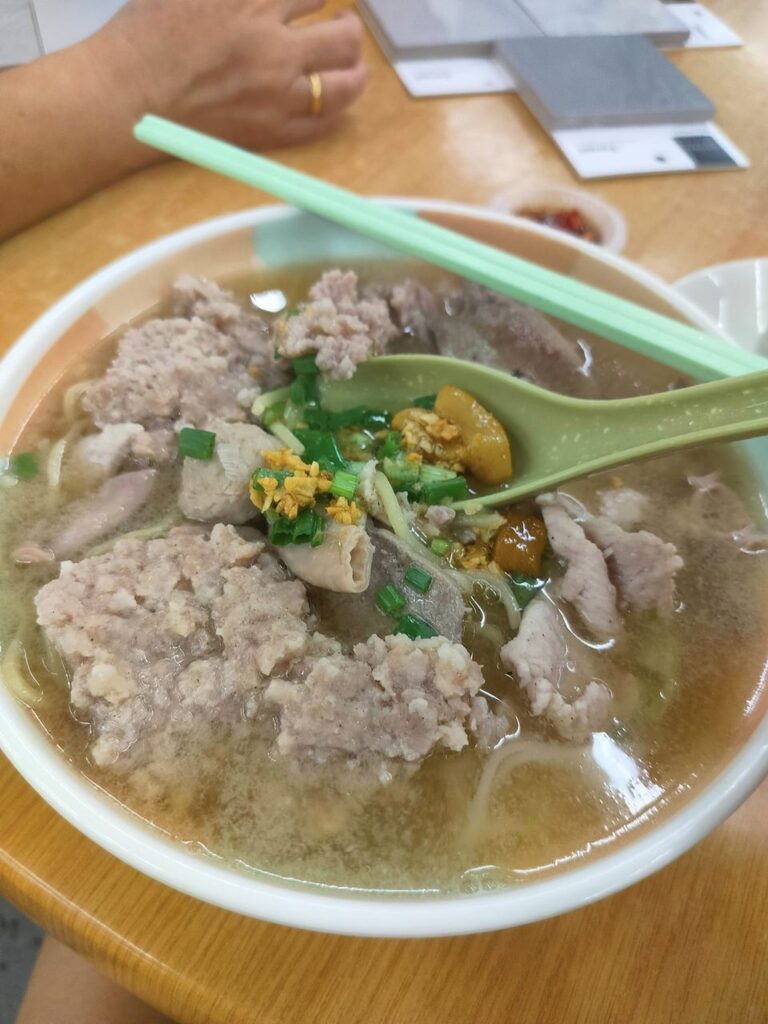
{"x": 101, "y": 819}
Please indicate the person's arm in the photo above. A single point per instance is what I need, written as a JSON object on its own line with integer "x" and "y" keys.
{"x": 235, "y": 68}
{"x": 65, "y": 129}
{"x": 66, "y": 989}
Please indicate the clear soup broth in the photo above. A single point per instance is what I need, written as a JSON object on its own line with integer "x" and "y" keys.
{"x": 685, "y": 690}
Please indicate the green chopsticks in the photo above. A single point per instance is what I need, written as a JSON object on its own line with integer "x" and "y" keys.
{"x": 658, "y": 337}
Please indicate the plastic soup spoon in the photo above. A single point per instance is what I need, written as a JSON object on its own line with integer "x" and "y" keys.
{"x": 555, "y": 438}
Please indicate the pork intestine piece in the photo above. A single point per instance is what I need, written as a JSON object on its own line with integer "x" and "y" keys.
{"x": 341, "y": 563}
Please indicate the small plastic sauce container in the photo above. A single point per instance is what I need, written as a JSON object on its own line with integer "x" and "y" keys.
{"x": 544, "y": 203}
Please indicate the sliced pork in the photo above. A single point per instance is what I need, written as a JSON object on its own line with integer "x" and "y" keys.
{"x": 92, "y": 518}
{"x": 102, "y": 454}
{"x": 482, "y": 326}
{"x": 416, "y": 309}
{"x": 642, "y": 565}
{"x": 585, "y": 583}
{"x": 625, "y": 506}
{"x": 538, "y": 656}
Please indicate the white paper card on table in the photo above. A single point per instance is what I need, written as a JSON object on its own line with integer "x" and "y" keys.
{"x": 454, "y": 76}
{"x": 648, "y": 149}
{"x": 707, "y": 30}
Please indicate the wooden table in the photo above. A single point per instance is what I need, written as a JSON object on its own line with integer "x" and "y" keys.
{"x": 687, "y": 946}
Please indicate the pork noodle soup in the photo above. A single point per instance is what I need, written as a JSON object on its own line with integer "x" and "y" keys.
{"x": 298, "y": 641}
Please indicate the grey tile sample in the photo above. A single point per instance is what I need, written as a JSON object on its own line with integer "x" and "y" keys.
{"x": 416, "y": 29}
{"x": 601, "y": 81}
{"x": 607, "y": 17}
{"x": 19, "y": 42}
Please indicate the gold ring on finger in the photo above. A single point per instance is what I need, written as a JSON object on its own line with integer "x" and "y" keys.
{"x": 316, "y": 92}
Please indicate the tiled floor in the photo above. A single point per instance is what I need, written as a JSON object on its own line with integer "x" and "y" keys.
{"x": 19, "y": 943}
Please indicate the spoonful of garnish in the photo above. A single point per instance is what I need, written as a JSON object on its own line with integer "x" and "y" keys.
{"x": 555, "y": 438}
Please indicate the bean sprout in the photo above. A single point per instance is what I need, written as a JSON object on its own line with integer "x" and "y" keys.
{"x": 13, "y": 669}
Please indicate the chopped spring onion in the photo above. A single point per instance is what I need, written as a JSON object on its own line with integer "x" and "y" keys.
{"x": 318, "y": 532}
{"x": 305, "y": 365}
{"x": 304, "y": 390}
{"x": 281, "y": 531}
{"x": 343, "y": 484}
{"x": 389, "y": 599}
{"x": 524, "y": 587}
{"x": 24, "y": 465}
{"x": 305, "y": 526}
{"x": 418, "y": 578}
{"x": 268, "y": 398}
{"x": 315, "y": 417}
{"x": 275, "y": 474}
{"x": 415, "y": 627}
{"x": 455, "y": 488}
{"x": 196, "y": 444}
{"x": 425, "y": 402}
{"x": 433, "y": 474}
{"x": 440, "y": 546}
{"x": 392, "y": 509}
{"x": 356, "y": 467}
{"x": 321, "y": 446}
{"x": 273, "y": 413}
{"x": 347, "y": 418}
{"x": 391, "y": 445}
{"x": 401, "y": 473}
{"x": 292, "y": 311}
{"x": 289, "y": 439}
{"x": 374, "y": 421}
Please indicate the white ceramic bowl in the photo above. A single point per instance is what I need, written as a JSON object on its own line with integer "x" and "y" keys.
{"x": 277, "y": 236}
{"x": 735, "y": 296}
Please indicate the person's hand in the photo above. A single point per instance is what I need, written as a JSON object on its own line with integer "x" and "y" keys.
{"x": 237, "y": 69}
